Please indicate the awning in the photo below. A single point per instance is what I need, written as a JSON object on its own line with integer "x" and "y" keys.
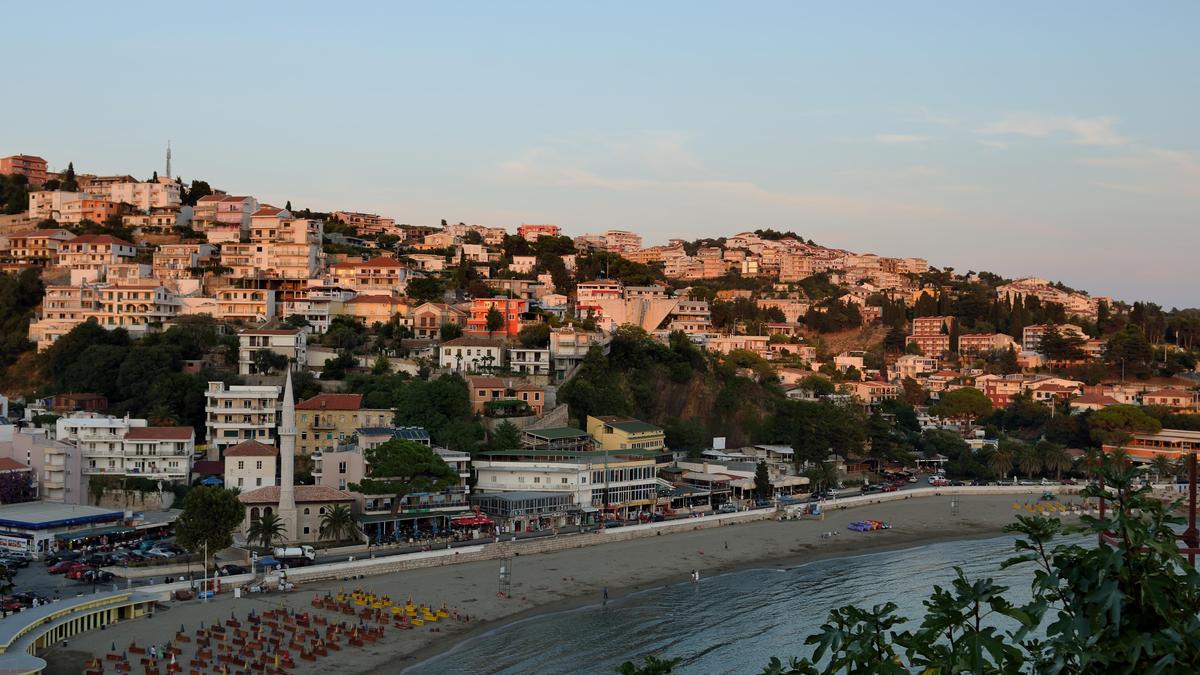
{"x": 471, "y": 521}
{"x": 402, "y": 516}
{"x": 213, "y": 480}
{"x": 589, "y": 509}
{"x": 95, "y": 532}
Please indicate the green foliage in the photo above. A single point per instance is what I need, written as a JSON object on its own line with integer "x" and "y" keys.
{"x": 20, "y": 294}
{"x": 337, "y": 523}
{"x": 831, "y": 316}
{"x": 596, "y": 389}
{"x": 1125, "y": 605}
{"x": 762, "y": 482}
{"x": 536, "y": 336}
{"x": 14, "y": 194}
{"x": 442, "y": 406}
{"x": 210, "y": 514}
{"x": 425, "y": 289}
{"x": 495, "y": 320}
{"x": 336, "y": 367}
{"x": 651, "y": 665}
{"x": 266, "y": 530}
{"x": 450, "y": 331}
{"x": 1115, "y": 424}
{"x": 815, "y": 429}
{"x": 266, "y": 361}
{"x": 506, "y": 437}
{"x": 1131, "y": 349}
{"x": 400, "y": 467}
{"x": 965, "y": 403}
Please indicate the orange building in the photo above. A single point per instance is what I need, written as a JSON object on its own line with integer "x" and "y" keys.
{"x": 511, "y": 309}
{"x": 1171, "y": 443}
{"x": 30, "y": 166}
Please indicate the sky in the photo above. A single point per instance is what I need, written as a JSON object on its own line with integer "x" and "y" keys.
{"x": 1023, "y": 138}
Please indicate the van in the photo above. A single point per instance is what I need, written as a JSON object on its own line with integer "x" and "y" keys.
{"x": 727, "y": 508}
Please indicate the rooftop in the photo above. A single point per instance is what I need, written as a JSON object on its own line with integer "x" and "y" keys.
{"x": 160, "y": 433}
{"x": 331, "y": 402}
{"x": 251, "y": 449}
{"x": 304, "y": 494}
{"x": 43, "y": 515}
{"x": 628, "y": 424}
{"x": 556, "y": 433}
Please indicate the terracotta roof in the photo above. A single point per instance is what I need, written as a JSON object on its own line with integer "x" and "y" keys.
{"x": 485, "y": 382}
{"x": 25, "y": 234}
{"x": 304, "y": 494}
{"x": 212, "y": 198}
{"x": 251, "y": 449}
{"x": 1095, "y": 399}
{"x": 267, "y": 211}
{"x": 10, "y": 464}
{"x": 1169, "y": 392}
{"x": 383, "y": 261}
{"x": 1054, "y": 387}
{"x": 99, "y": 239}
{"x": 231, "y": 198}
{"x": 160, "y": 433}
{"x": 331, "y": 402}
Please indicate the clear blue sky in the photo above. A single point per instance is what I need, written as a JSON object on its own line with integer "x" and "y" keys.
{"x": 1056, "y": 139}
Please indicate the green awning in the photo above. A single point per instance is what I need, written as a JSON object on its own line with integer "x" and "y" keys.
{"x": 94, "y": 532}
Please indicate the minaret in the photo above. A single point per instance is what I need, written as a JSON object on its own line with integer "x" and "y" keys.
{"x": 287, "y": 460}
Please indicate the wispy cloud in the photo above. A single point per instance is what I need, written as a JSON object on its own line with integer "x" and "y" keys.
{"x": 1082, "y": 130}
{"x": 924, "y": 115}
{"x": 899, "y": 139}
{"x": 1146, "y": 169}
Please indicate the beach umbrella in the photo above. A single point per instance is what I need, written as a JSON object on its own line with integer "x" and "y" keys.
{"x": 181, "y": 628}
{"x": 114, "y": 648}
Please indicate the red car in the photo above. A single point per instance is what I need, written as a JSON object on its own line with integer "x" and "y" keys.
{"x": 889, "y": 487}
{"x": 61, "y": 567}
{"x": 78, "y": 571}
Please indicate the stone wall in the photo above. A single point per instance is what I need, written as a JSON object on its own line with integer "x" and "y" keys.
{"x": 132, "y": 500}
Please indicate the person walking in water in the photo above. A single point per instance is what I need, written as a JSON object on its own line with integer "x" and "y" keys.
{"x": 606, "y": 594}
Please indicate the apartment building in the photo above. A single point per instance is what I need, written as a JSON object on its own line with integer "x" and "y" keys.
{"x": 1031, "y": 337}
{"x": 280, "y": 246}
{"x": 692, "y": 317}
{"x": 326, "y": 421}
{"x": 512, "y": 311}
{"x": 289, "y": 343}
{"x": 569, "y": 346}
{"x": 52, "y": 204}
{"x": 371, "y": 309}
{"x": 931, "y": 334}
{"x": 367, "y": 224}
{"x": 251, "y": 305}
{"x": 377, "y": 276}
{"x": 145, "y": 197}
{"x": 56, "y": 465}
{"x": 1175, "y": 399}
{"x": 240, "y": 413}
{"x": 139, "y": 309}
{"x": 531, "y": 233}
{"x": 95, "y": 252}
{"x": 116, "y": 446}
{"x": 251, "y": 464}
{"x": 625, "y": 433}
{"x": 89, "y": 208}
{"x": 36, "y": 247}
{"x": 977, "y": 344}
{"x": 30, "y": 166}
{"x": 318, "y": 306}
{"x": 913, "y": 366}
{"x": 529, "y": 361}
{"x": 176, "y": 261}
{"x": 872, "y": 392}
{"x": 619, "y": 241}
{"x": 156, "y": 221}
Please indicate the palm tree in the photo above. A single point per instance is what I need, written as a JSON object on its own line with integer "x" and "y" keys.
{"x": 267, "y": 529}
{"x": 1162, "y": 466}
{"x": 821, "y": 475}
{"x": 1027, "y": 460}
{"x": 337, "y": 523}
{"x": 1054, "y": 457}
{"x": 1090, "y": 462}
{"x": 1001, "y": 463}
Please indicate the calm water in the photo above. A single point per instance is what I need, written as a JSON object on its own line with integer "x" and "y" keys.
{"x": 731, "y": 623}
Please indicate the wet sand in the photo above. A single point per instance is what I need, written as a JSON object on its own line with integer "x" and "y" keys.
{"x": 558, "y": 580}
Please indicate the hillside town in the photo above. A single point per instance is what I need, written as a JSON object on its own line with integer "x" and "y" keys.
{"x": 163, "y": 337}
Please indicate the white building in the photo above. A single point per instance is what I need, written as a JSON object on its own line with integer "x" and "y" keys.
{"x": 122, "y": 446}
{"x": 144, "y": 196}
{"x": 529, "y": 361}
{"x": 240, "y": 413}
{"x": 250, "y": 465}
{"x": 471, "y": 354}
{"x": 291, "y": 343}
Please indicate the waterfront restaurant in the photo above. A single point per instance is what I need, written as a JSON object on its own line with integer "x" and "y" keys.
{"x": 1172, "y": 443}
{"x": 43, "y": 527}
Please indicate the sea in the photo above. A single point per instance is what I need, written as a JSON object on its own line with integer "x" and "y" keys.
{"x": 729, "y": 623}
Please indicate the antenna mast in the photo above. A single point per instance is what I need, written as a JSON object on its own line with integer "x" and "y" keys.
{"x": 168, "y": 158}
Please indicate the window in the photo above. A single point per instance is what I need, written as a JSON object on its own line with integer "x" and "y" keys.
{"x": 305, "y": 530}
{"x": 258, "y": 481}
{"x": 306, "y": 511}
{"x": 258, "y": 464}
{"x": 241, "y": 465}
{"x": 341, "y": 467}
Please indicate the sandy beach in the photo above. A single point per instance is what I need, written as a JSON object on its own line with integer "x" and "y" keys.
{"x": 546, "y": 582}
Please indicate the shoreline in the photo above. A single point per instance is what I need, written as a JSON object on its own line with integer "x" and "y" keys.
{"x": 574, "y": 578}
{"x": 439, "y": 648}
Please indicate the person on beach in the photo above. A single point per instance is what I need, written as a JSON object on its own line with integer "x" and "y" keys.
{"x": 606, "y": 594}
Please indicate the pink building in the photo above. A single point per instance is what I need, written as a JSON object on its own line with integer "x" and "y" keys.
{"x": 30, "y": 166}
{"x": 531, "y": 232}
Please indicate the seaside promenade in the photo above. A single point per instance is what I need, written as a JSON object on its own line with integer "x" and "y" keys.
{"x": 558, "y": 572}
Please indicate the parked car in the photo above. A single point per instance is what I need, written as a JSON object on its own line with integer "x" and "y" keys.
{"x": 27, "y": 598}
{"x": 77, "y": 573}
{"x": 60, "y": 556}
{"x": 96, "y": 576}
{"x": 868, "y": 489}
{"x": 14, "y": 562}
{"x": 159, "y": 554}
{"x": 727, "y": 508}
{"x": 912, "y": 479}
{"x": 889, "y": 488}
{"x": 61, "y": 567}
{"x": 227, "y": 570}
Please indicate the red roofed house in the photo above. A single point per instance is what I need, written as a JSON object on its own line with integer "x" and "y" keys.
{"x": 1092, "y": 401}
{"x": 1176, "y": 399}
{"x": 381, "y": 275}
{"x": 327, "y": 420}
{"x": 428, "y": 319}
{"x": 250, "y": 465}
{"x": 95, "y": 252}
{"x": 372, "y": 309}
{"x": 312, "y": 501}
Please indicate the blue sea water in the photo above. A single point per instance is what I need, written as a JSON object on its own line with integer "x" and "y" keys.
{"x": 732, "y": 623}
